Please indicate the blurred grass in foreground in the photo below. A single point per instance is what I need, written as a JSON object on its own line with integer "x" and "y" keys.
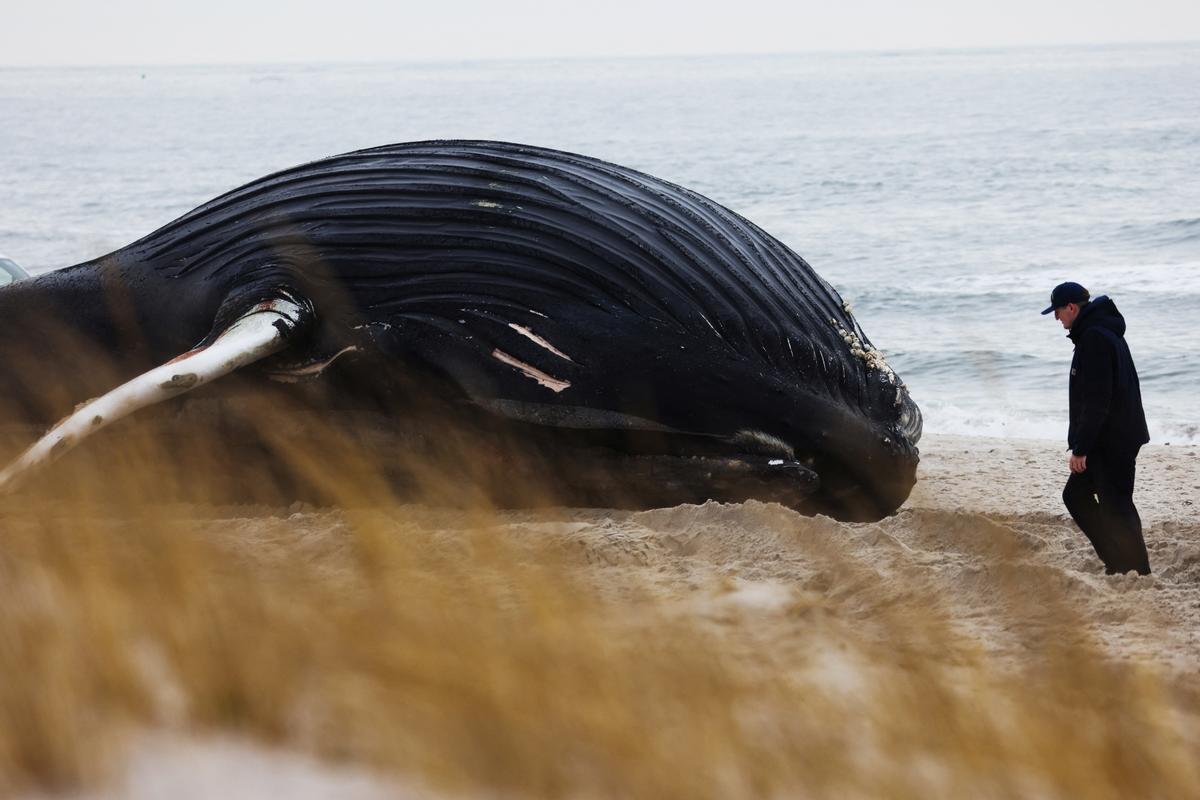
{"x": 439, "y": 645}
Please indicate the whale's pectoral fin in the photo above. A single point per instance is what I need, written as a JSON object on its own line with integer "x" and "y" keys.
{"x": 265, "y": 329}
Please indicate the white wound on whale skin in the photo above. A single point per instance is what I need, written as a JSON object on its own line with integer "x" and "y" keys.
{"x": 549, "y": 381}
{"x": 309, "y": 371}
{"x": 533, "y": 337}
{"x": 487, "y": 204}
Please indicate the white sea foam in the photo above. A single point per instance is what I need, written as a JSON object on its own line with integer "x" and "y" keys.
{"x": 1007, "y": 422}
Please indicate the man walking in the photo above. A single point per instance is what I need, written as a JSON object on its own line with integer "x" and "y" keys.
{"x": 1107, "y": 428}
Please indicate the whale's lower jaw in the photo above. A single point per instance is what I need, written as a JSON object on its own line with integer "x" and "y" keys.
{"x": 456, "y": 457}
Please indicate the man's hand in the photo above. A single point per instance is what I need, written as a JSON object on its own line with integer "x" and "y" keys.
{"x": 1077, "y": 463}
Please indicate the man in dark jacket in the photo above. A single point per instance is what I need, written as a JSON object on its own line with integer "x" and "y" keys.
{"x": 1107, "y": 428}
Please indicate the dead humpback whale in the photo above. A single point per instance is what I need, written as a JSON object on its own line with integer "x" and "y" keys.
{"x": 594, "y": 308}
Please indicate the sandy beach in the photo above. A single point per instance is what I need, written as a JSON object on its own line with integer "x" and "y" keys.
{"x": 996, "y": 489}
{"x": 970, "y": 635}
{"x": 984, "y": 537}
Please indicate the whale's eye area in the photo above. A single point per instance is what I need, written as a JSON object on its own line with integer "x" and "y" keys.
{"x": 911, "y": 423}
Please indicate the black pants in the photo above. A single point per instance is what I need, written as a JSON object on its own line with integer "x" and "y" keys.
{"x": 1100, "y": 500}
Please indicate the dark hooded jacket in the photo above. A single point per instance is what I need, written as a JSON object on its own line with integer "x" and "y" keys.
{"x": 1106, "y": 400}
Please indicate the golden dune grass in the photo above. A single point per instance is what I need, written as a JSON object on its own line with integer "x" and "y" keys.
{"x": 477, "y": 651}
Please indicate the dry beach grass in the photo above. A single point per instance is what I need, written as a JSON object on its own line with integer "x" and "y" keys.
{"x": 956, "y": 649}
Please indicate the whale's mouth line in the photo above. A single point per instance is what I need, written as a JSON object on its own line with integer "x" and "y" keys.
{"x": 613, "y": 454}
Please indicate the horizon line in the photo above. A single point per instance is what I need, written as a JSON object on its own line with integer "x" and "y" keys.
{"x": 901, "y": 49}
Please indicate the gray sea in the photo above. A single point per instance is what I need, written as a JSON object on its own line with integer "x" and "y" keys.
{"x": 942, "y": 192}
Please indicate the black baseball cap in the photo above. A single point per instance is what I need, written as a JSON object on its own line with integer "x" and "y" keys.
{"x": 1064, "y": 293}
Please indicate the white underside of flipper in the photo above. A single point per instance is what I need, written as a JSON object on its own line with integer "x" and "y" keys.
{"x": 260, "y": 332}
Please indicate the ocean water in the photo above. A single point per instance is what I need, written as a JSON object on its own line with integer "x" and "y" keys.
{"x": 943, "y": 192}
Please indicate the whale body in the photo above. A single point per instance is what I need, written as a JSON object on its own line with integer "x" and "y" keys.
{"x": 591, "y": 307}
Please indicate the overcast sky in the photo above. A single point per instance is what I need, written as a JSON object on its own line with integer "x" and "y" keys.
{"x": 241, "y": 31}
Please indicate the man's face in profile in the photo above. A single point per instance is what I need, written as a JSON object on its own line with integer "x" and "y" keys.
{"x": 1067, "y": 314}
